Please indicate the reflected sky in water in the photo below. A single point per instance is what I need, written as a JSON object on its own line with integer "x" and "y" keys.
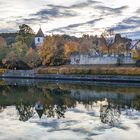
{"x": 69, "y": 111}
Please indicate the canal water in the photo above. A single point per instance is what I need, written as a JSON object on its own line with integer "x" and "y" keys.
{"x": 66, "y": 110}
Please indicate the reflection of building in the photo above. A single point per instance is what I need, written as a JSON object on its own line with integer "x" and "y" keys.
{"x": 39, "y": 109}
{"x": 38, "y": 40}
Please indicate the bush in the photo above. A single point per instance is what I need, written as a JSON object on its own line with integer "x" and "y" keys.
{"x": 2, "y": 71}
{"x": 50, "y": 70}
{"x": 87, "y": 70}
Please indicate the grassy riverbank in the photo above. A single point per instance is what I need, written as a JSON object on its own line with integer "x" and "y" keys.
{"x": 91, "y": 70}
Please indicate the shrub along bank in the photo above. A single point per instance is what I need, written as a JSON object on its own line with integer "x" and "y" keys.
{"x": 90, "y": 70}
{"x": 2, "y": 71}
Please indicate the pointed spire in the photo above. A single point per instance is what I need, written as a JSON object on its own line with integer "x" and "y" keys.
{"x": 40, "y": 113}
{"x": 40, "y": 33}
{"x": 39, "y": 109}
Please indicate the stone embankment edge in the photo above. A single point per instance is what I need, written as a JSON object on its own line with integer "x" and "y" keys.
{"x": 93, "y": 78}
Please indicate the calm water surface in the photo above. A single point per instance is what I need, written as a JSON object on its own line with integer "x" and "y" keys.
{"x": 46, "y": 110}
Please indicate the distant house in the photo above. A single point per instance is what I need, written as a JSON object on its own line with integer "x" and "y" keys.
{"x": 107, "y": 52}
{"x": 135, "y": 45}
{"x": 115, "y": 45}
{"x": 75, "y": 58}
{"x": 38, "y": 40}
{"x": 87, "y": 59}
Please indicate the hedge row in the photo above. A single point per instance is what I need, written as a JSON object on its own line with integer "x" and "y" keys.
{"x": 2, "y": 71}
{"x": 83, "y": 70}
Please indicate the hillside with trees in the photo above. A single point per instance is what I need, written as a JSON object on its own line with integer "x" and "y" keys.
{"x": 16, "y": 50}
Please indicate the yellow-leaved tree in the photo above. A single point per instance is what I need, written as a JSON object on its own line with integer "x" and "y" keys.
{"x": 52, "y": 51}
{"x": 71, "y": 47}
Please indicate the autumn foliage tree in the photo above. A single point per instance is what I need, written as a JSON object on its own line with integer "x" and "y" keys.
{"x": 32, "y": 58}
{"x": 88, "y": 44}
{"x": 52, "y": 52}
{"x": 71, "y": 47}
{"x": 15, "y": 56}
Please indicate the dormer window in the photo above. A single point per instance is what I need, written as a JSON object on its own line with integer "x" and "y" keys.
{"x": 38, "y": 39}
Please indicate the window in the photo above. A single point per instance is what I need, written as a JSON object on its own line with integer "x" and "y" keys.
{"x": 38, "y": 39}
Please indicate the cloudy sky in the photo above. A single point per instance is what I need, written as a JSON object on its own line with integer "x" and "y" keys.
{"x": 73, "y": 17}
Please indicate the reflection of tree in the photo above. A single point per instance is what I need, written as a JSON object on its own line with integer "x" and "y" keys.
{"x": 25, "y": 111}
{"x": 55, "y": 110}
{"x": 110, "y": 114}
{"x": 56, "y": 102}
{"x": 60, "y": 110}
{"x": 136, "y": 103}
{"x": 57, "y": 98}
{"x": 1, "y": 108}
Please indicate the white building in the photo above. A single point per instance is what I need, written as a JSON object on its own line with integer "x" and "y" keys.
{"x": 97, "y": 58}
{"x": 38, "y": 40}
{"x": 86, "y": 59}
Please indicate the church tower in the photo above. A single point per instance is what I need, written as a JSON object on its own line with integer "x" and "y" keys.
{"x": 38, "y": 40}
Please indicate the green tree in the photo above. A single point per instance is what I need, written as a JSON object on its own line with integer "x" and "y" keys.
{"x": 20, "y": 48}
{"x": 26, "y": 33}
{"x": 3, "y": 52}
{"x": 25, "y": 29}
{"x": 16, "y": 55}
{"x": 32, "y": 58}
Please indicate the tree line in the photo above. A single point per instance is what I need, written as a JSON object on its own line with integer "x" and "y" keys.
{"x": 56, "y": 49}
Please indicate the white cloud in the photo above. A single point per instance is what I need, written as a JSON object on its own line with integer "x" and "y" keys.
{"x": 112, "y": 12}
{"x": 79, "y": 123}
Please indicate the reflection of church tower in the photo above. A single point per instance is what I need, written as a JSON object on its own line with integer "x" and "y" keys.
{"x": 39, "y": 109}
{"x": 39, "y": 39}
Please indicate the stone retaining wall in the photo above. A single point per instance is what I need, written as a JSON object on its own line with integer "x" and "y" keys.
{"x": 86, "y": 59}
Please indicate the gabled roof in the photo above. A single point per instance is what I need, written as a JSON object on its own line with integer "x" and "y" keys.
{"x": 40, "y": 33}
{"x": 134, "y": 44}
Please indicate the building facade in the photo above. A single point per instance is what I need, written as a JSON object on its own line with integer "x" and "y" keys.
{"x": 38, "y": 40}
{"x": 86, "y": 59}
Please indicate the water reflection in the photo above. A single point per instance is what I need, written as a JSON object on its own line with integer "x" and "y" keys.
{"x": 25, "y": 111}
{"x": 110, "y": 114}
{"x": 39, "y": 109}
{"x": 54, "y": 100}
